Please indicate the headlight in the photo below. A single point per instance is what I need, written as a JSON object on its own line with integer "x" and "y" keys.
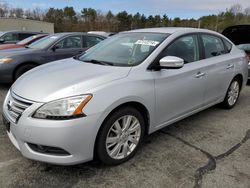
{"x": 5, "y": 60}
{"x": 67, "y": 108}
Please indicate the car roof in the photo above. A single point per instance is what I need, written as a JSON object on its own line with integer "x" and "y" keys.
{"x": 74, "y": 33}
{"x": 102, "y": 33}
{"x": 41, "y": 34}
{"x": 171, "y": 30}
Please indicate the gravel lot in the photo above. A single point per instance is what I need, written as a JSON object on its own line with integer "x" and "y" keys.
{"x": 209, "y": 149}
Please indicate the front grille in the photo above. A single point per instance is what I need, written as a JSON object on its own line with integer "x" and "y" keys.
{"x": 15, "y": 107}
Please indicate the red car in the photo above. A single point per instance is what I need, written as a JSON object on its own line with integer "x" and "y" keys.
{"x": 23, "y": 42}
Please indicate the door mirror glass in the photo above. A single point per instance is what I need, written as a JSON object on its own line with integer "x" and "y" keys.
{"x": 1, "y": 40}
{"x": 171, "y": 62}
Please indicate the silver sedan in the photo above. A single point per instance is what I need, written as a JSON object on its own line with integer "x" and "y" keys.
{"x": 103, "y": 102}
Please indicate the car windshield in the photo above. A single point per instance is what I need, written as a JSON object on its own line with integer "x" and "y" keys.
{"x": 44, "y": 42}
{"x": 27, "y": 40}
{"x": 125, "y": 49}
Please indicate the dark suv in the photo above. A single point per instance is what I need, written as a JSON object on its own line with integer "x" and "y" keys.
{"x": 10, "y": 37}
{"x": 15, "y": 62}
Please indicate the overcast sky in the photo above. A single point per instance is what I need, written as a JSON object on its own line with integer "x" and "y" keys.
{"x": 173, "y": 8}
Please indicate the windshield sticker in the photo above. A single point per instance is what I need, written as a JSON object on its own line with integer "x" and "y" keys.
{"x": 147, "y": 42}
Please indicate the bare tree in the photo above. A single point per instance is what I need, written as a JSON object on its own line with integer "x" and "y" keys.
{"x": 4, "y": 9}
{"x": 16, "y": 12}
{"x": 236, "y": 9}
{"x": 247, "y": 11}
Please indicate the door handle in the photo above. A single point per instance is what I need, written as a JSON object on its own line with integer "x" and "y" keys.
{"x": 230, "y": 66}
{"x": 200, "y": 74}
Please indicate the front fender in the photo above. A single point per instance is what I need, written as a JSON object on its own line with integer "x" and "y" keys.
{"x": 108, "y": 97}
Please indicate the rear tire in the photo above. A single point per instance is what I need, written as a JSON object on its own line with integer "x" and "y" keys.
{"x": 120, "y": 136}
{"x": 22, "y": 69}
{"x": 233, "y": 94}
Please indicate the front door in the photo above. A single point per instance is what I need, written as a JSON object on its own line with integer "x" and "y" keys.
{"x": 180, "y": 91}
{"x": 66, "y": 48}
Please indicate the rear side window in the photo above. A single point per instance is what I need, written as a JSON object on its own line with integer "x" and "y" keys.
{"x": 228, "y": 45}
{"x": 185, "y": 47}
{"x": 213, "y": 46}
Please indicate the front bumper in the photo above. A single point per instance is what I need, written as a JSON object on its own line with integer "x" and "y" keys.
{"x": 76, "y": 136}
{"x": 6, "y": 73}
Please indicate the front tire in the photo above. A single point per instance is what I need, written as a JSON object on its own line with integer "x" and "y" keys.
{"x": 120, "y": 136}
{"x": 233, "y": 93}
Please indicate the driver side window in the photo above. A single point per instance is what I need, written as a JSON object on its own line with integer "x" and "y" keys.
{"x": 185, "y": 47}
{"x": 69, "y": 42}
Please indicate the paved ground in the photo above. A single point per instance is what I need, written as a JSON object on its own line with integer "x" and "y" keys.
{"x": 210, "y": 149}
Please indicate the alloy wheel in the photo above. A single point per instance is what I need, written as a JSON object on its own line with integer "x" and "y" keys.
{"x": 123, "y": 137}
{"x": 233, "y": 92}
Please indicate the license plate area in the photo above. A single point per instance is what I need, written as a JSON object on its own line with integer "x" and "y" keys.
{"x": 6, "y": 123}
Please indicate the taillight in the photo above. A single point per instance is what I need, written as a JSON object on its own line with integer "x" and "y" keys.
{"x": 248, "y": 57}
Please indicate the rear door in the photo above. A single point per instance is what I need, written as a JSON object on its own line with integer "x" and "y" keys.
{"x": 180, "y": 91}
{"x": 219, "y": 68}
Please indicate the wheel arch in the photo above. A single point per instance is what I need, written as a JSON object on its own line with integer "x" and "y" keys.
{"x": 135, "y": 104}
{"x": 240, "y": 77}
{"x": 23, "y": 64}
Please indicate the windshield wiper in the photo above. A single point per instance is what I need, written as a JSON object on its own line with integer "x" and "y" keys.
{"x": 94, "y": 61}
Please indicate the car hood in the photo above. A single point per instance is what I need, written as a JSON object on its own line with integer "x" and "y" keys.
{"x": 7, "y": 46}
{"x": 17, "y": 51}
{"x": 65, "y": 78}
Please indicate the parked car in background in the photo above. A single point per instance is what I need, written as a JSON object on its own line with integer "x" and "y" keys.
{"x": 240, "y": 35}
{"x": 11, "y": 37}
{"x": 23, "y": 42}
{"x": 15, "y": 62}
{"x": 103, "y": 102}
{"x": 246, "y": 48}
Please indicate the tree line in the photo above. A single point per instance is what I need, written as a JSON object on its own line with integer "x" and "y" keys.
{"x": 67, "y": 19}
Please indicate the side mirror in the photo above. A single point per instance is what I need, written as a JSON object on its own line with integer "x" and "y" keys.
{"x": 54, "y": 48}
{"x": 171, "y": 62}
{"x": 1, "y": 40}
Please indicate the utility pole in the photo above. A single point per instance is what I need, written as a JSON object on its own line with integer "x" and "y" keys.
{"x": 217, "y": 21}
{"x": 199, "y": 24}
